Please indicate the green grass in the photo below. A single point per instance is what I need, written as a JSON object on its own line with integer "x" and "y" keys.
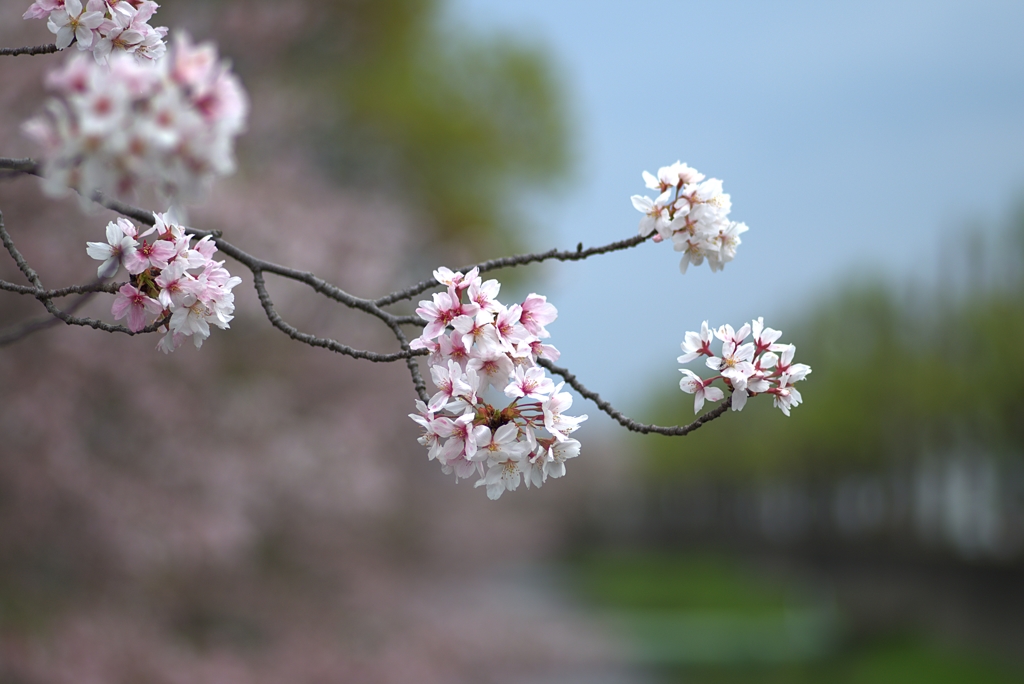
{"x": 674, "y": 583}
{"x": 887, "y": 661}
{"x": 705, "y": 619}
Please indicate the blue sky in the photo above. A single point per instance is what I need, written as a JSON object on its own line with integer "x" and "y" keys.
{"x": 853, "y": 139}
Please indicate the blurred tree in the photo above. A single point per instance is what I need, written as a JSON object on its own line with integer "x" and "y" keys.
{"x": 454, "y": 125}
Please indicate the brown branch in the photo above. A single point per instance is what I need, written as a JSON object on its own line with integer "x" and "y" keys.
{"x": 19, "y": 259}
{"x": 410, "y": 362}
{"x": 96, "y": 286}
{"x": 624, "y": 420}
{"x": 26, "y": 165}
{"x": 22, "y": 330}
{"x": 34, "y": 50}
{"x": 518, "y": 260}
{"x": 291, "y": 331}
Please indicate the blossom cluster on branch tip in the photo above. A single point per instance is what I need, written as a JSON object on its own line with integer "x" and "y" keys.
{"x": 103, "y": 27}
{"x": 477, "y": 343}
{"x": 747, "y": 368}
{"x": 691, "y": 212}
{"x": 178, "y": 283}
{"x": 171, "y": 122}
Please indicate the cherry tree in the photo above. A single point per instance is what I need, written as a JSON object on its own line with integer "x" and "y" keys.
{"x": 135, "y": 107}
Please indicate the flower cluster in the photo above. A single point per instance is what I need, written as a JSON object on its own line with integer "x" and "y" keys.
{"x": 103, "y": 27}
{"x": 748, "y": 368}
{"x": 171, "y": 122}
{"x": 171, "y": 279}
{"x": 691, "y": 212}
{"x": 490, "y": 345}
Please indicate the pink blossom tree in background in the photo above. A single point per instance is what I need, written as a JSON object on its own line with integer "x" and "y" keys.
{"x": 138, "y": 114}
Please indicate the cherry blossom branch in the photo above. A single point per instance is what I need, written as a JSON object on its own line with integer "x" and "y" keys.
{"x": 373, "y": 307}
{"x": 48, "y": 49}
{"x": 624, "y": 420}
{"x": 312, "y": 340}
{"x": 490, "y": 345}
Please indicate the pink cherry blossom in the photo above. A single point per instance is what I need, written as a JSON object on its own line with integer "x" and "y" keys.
{"x": 131, "y": 302}
{"x": 532, "y": 383}
{"x": 149, "y": 255}
{"x": 536, "y": 313}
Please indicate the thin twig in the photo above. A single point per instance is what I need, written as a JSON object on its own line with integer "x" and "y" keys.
{"x": 325, "y": 342}
{"x": 25, "y": 328}
{"x": 624, "y": 420}
{"x": 34, "y": 50}
{"x": 97, "y": 286}
{"x": 518, "y": 260}
{"x": 410, "y": 362}
{"x": 26, "y": 165}
{"x": 19, "y": 259}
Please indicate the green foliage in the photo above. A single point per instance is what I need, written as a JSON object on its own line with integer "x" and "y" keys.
{"x": 454, "y": 124}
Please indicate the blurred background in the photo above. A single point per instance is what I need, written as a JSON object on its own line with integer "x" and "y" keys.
{"x": 259, "y": 511}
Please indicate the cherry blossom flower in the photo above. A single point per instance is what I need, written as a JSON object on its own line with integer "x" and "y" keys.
{"x": 657, "y": 213}
{"x": 493, "y": 368}
{"x": 558, "y": 454}
{"x": 451, "y": 382}
{"x": 432, "y": 428}
{"x": 536, "y": 313}
{"x": 502, "y": 476}
{"x": 40, "y": 9}
{"x": 149, "y": 255}
{"x": 532, "y": 383}
{"x": 695, "y": 344}
{"x": 439, "y": 313}
{"x": 461, "y": 440}
{"x": 510, "y": 330}
{"x": 120, "y": 245}
{"x": 735, "y": 362}
{"x": 75, "y": 22}
{"x": 485, "y": 294}
{"x": 692, "y": 384}
{"x": 500, "y": 443}
{"x": 555, "y": 422}
{"x": 764, "y": 337}
{"x": 786, "y": 396}
{"x": 133, "y": 303}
